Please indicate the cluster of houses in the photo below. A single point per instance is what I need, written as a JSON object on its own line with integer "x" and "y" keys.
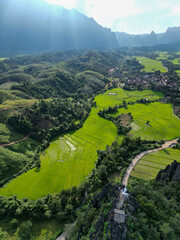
{"x": 147, "y": 80}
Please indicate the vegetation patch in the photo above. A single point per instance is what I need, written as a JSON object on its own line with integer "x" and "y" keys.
{"x": 40, "y": 230}
{"x": 7, "y": 136}
{"x": 154, "y": 121}
{"x": 151, "y": 65}
{"x": 63, "y": 167}
{"x": 17, "y": 103}
{"x": 149, "y": 165}
{"x": 105, "y": 100}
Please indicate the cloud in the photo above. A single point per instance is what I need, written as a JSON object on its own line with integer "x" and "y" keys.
{"x": 108, "y": 12}
{"x": 175, "y": 10}
{"x": 133, "y": 16}
{"x": 69, "y": 4}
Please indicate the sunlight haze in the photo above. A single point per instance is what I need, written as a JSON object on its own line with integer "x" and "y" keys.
{"x": 131, "y": 16}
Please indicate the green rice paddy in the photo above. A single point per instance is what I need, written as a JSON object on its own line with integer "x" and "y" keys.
{"x": 150, "y": 164}
{"x": 67, "y": 161}
{"x": 178, "y": 72}
{"x": 151, "y": 65}
{"x": 115, "y": 96}
{"x": 71, "y": 157}
{"x": 163, "y": 124}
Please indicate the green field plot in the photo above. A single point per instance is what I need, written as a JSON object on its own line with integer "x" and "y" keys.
{"x": 17, "y": 103}
{"x": 178, "y": 72}
{"x": 151, "y": 65}
{"x": 162, "y": 55}
{"x": 150, "y": 164}
{"x": 115, "y": 96}
{"x": 71, "y": 157}
{"x": 67, "y": 161}
{"x": 163, "y": 124}
{"x": 176, "y": 61}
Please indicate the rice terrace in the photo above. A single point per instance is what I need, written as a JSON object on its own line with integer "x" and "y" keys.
{"x": 149, "y": 166}
{"x": 71, "y": 157}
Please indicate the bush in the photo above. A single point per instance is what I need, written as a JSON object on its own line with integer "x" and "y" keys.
{"x": 25, "y": 230}
{"x": 14, "y": 223}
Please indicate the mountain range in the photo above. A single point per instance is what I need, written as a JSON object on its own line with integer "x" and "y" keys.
{"x": 34, "y": 26}
{"x": 172, "y": 35}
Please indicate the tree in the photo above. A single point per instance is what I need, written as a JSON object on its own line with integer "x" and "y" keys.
{"x": 25, "y": 230}
{"x": 165, "y": 230}
{"x": 3, "y": 234}
{"x": 14, "y": 223}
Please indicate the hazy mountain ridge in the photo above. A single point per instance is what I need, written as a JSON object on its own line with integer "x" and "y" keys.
{"x": 172, "y": 35}
{"x": 35, "y": 26}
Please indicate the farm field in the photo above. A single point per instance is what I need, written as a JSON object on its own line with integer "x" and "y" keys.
{"x": 162, "y": 55}
{"x": 163, "y": 124}
{"x": 17, "y": 103}
{"x": 149, "y": 165}
{"x": 67, "y": 161}
{"x": 151, "y": 65}
{"x": 107, "y": 99}
{"x": 71, "y": 157}
{"x": 176, "y": 61}
{"x": 178, "y": 72}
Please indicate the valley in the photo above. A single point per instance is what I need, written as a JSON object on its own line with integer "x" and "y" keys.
{"x": 89, "y": 120}
{"x": 86, "y": 119}
{"x": 71, "y": 157}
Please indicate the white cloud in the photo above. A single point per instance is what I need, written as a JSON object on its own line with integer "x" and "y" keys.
{"x": 175, "y": 11}
{"x": 69, "y": 4}
{"x": 109, "y": 11}
{"x": 133, "y": 16}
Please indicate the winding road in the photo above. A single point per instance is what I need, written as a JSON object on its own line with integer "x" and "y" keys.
{"x": 139, "y": 156}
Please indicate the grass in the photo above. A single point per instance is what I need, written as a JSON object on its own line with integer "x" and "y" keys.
{"x": 26, "y": 147}
{"x": 17, "y": 103}
{"x": 70, "y": 158}
{"x": 163, "y": 124}
{"x": 162, "y": 55}
{"x": 176, "y": 61}
{"x": 178, "y": 72}
{"x": 151, "y": 65}
{"x": 41, "y": 230}
{"x": 61, "y": 166}
{"x": 11, "y": 163}
{"x": 149, "y": 165}
{"x": 8, "y": 85}
{"x": 105, "y": 100}
{"x": 6, "y": 135}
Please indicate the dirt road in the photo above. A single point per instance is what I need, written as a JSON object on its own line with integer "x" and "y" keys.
{"x": 139, "y": 156}
{"x": 20, "y": 140}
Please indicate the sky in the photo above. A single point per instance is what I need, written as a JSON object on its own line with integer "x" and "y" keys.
{"x": 130, "y": 16}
